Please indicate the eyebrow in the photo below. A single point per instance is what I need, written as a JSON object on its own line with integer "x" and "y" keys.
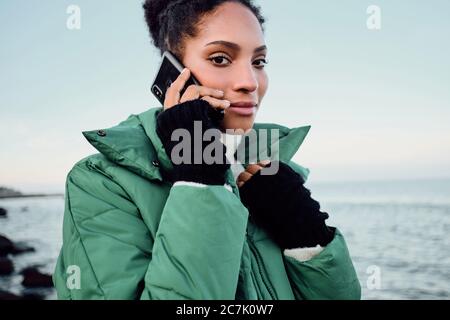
{"x": 234, "y": 46}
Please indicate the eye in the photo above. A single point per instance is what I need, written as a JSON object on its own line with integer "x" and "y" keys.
{"x": 264, "y": 61}
{"x": 218, "y": 59}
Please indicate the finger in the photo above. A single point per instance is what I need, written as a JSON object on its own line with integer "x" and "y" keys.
{"x": 244, "y": 176}
{"x": 194, "y": 92}
{"x": 264, "y": 163}
{"x": 240, "y": 183}
{"x": 253, "y": 168}
{"x": 173, "y": 92}
{"x": 191, "y": 93}
{"x": 181, "y": 80}
{"x": 217, "y": 103}
{"x": 171, "y": 99}
{"x": 215, "y": 93}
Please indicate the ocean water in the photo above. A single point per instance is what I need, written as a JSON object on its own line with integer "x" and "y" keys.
{"x": 37, "y": 222}
{"x": 397, "y": 232}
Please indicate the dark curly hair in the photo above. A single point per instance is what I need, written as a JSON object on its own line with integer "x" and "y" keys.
{"x": 170, "y": 22}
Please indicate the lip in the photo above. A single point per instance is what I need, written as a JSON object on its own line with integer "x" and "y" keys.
{"x": 243, "y": 104}
{"x": 243, "y": 108}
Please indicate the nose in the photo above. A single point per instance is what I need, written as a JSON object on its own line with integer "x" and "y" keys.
{"x": 245, "y": 79}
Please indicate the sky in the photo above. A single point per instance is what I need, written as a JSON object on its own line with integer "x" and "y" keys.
{"x": 378, "y": 101}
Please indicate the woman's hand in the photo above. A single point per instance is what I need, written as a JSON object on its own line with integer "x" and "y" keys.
{"x": 250, "y": 171}
{"x": 193, "y": 92}
{"x": 182, "y": 114}
{"x": 282, "y": 206}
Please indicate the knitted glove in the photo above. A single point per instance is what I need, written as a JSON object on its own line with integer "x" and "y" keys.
{"x": 183, "y": 115}
{"x": 281, "y": 205}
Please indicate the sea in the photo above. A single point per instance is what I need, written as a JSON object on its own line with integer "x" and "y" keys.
{"x": 397, "y": 233}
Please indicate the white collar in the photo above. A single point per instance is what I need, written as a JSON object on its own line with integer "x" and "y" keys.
{"x": 232, "y": 142}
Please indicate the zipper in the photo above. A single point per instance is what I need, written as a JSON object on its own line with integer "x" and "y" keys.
{"x": 260, "y": 262}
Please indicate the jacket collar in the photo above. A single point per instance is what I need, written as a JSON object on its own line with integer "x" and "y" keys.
{"x": 134, "y": 143}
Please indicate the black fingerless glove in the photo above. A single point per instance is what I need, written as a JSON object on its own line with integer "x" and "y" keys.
{"x": 283, "y": 207}
{"x": 183, "y": 116}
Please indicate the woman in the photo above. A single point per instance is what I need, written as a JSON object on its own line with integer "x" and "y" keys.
{"x": 140, "y": 225}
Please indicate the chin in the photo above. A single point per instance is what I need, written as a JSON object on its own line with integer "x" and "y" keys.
{"x": 238, "y": 122}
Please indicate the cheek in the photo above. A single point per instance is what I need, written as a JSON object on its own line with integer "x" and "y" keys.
{"x": 208, "y": 77}
{"x": 210, "y": 80}
{"x": 263, "y": 85}
{"x": 201, "y": 71}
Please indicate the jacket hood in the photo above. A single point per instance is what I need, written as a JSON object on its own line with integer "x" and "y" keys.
{"x": 134, "y": 143}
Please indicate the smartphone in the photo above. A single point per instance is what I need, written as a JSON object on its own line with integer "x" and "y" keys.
{"x": 169, "y": 70}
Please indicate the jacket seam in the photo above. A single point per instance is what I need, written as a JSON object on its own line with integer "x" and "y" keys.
{"x": 112, "y": 207}
{"x": 102, "y": 200}
{"x": 169, "y": 289}
{"x": 266, "y": 282}
{"x": 119, "y": 240}
{"x": 82, "y": 243}
{"x": 126, "y": 158}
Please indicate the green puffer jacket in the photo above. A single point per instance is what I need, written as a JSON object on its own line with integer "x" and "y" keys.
{"x": 128, "y": 234}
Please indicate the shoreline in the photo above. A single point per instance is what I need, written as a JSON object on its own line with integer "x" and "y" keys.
{"x": 31, "y": 195}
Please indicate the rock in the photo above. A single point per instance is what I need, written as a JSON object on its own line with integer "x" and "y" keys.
{"x": 20, "y": 247}
{"x": 5, "y": 295}
{"x": 32, "y": 296}
{"x": 32, "y": 277}
{"x": 6, "y": 266}
{"x": 7, "y": 247}
{"x": 3, "y": 212}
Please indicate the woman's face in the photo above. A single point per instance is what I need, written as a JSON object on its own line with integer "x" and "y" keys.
{"x": 236, "y": 69}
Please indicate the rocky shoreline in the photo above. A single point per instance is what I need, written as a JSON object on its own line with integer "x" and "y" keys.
{"x": 32, "y": 277}
{"x": 6, "y": 193}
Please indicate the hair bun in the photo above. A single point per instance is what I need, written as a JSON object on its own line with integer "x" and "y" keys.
{"x": 153, "y": 9}
{"x": 171, "y": 22}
